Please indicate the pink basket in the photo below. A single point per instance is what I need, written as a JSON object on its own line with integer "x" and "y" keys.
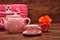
{"x": 20, "y": 7}
{"x": 2, "y": 7}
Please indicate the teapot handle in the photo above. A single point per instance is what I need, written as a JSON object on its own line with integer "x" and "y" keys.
{"x": 1, "y": 22}
{"x": 28, "y": 20}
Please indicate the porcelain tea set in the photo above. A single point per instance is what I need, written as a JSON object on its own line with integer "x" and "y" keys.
{"x": 17, "y": 24}
{"x": 15, "y": 19}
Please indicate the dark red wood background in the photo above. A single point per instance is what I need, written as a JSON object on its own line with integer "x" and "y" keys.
{"x": 37, "y": 8}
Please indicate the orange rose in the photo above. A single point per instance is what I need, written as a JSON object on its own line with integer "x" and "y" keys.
{"x": 45, "y": 19}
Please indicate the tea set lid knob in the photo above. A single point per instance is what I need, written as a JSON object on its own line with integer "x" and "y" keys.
{"x": 15, "y": 13}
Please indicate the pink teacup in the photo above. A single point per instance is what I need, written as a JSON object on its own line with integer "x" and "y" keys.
{"x": 32, "y": 29}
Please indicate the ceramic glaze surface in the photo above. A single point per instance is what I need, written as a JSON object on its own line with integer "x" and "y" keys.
{"x": 15, "y": 25}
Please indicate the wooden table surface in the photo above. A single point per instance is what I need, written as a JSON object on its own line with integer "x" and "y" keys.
{"x": 53, "y": 34}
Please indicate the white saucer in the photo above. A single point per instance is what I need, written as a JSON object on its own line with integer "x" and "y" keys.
{"x": 25, "y": 32}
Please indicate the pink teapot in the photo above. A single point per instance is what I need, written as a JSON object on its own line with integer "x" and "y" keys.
{"x": 15, "y": 23}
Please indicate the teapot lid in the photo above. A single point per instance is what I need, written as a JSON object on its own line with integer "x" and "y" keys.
{"x": 15, "y": 15}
